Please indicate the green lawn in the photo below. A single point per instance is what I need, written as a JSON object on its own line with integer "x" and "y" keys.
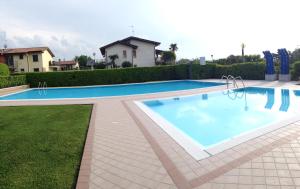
{"x": 41, "y": 146}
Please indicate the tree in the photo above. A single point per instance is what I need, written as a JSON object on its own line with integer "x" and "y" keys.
{"x": 173, "y": 47}
{"x": 243, "y": 51}
{"x": 82, "y": 60}
{"x": 4, "y": 71}
{"x": 168, "y": 57}
{"x": 113, "y": 59}
{"x": 295, "y": 55}
{"x": 183, "y": 61}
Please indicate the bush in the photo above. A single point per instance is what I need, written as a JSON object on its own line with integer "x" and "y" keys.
{"x": 296, "y": 71}
{"x": 126, "y": 64}
{"x": 4, "y": 71}
{"x": 99, "y": 66}
{"x": 11, "y": 81}
{"x": 255, "y": 71}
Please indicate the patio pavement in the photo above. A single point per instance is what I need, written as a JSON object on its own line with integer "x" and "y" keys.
{"x": 126, "y": 149}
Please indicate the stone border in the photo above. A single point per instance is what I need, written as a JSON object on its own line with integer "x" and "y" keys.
{"x": 86, "y": 160}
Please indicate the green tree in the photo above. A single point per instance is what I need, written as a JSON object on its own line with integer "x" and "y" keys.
{"x": 168, "y": 57}
{"x": 113, "y": 59}
{"x": 173, "y": 47}
{"x": 183, "y": 61}
{"x": 82, "y": 60}
{"x": 4, "y": 71}
{"x": 295, "y": 56}
{"x": 243, "y": 51}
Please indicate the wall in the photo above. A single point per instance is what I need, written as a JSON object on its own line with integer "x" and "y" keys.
{"x": 28, "y": 65}
{"x": 118, "y": 49}
{"x": 46, "y": 58}
{"x": 144, "y": 54}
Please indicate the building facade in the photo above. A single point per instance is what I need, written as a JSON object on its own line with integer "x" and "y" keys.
{"x": 35, "y": 59}
{"x": 140, "y": 52}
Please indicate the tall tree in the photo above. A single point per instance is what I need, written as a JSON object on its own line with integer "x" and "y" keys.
{"x": 173, "y": 47}
{"x": 243, "y": 51}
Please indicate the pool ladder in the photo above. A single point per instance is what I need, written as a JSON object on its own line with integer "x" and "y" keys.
{"x": 42, "y": 88}
{"x": 234, "y": 81}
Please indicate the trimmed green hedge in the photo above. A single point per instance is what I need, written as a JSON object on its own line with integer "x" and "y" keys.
{"x": 109, "y": 76}
{"x": 11, "y": 81}
{"x": 254, "y": 71}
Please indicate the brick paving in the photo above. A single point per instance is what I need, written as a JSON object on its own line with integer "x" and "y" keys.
{"x": 126, "y": 149}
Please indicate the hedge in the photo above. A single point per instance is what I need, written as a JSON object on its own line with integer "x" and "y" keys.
{"x": 136, "y": 75}
{"x": 254, "y": 71}
{"x": 11, "y": 81}
{"x": 108, "y": 76}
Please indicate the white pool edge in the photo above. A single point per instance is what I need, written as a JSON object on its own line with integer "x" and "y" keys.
{"x": 194, "y": 148}
{"x": 191, "y": 146}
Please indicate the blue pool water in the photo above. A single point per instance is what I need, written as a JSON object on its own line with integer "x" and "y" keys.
{"x": 112, "y": 90}
{"x": 212, "y": 118}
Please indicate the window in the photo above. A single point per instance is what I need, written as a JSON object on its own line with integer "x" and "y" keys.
{"x": 36, "y": 69}
{"x": 22, "y": 70}
{"x": 124, "y": 54}
{"x": 35, "y": 58}
{"x": 21, "y": 56}
{"x": 134, "y": 53}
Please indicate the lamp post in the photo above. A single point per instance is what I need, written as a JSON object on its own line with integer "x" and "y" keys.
{"x": 212, "y": 58}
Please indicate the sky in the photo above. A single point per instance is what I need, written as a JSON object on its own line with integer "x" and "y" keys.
{"x": 199, "y": 27}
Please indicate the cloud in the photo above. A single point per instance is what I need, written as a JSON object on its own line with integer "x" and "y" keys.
{"x": 199, "y": 28}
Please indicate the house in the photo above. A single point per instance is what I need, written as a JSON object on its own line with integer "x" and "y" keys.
{"x": 34, "y": 59}
{"x": 64, "y": 65}
{"x": 140, "y": 52}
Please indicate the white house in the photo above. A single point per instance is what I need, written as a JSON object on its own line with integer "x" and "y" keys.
{"x": 140, "y": 52}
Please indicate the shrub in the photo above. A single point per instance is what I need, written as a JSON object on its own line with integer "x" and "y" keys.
{"x": 4, "y": 71}
{"x": 11, "y": 81}
{"x": 99, "y": 66}
{"x": 296, "y": 71}
{"x": 126, "y": 64}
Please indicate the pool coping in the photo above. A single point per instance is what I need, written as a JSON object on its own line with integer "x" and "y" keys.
{"x": 107, "y": 97}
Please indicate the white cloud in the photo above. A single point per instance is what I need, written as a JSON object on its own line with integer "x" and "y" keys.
{"x": 198, "y": 27}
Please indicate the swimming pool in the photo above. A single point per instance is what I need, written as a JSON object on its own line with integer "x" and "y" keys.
{"x": 207, "y": 124}
{"x": 110, "y": 90}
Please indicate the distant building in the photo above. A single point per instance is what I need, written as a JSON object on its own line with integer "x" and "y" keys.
{"x": 34, "y": 59}
{"x": 64, "y": 65}
{"x": 140, "y": 52}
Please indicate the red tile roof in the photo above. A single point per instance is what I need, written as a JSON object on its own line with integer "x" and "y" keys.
{"x": 126, "y": 42}
{"x": 25, "y": 50}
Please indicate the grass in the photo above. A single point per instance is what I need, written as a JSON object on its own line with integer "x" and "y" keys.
{"x": 41, "y": 146}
